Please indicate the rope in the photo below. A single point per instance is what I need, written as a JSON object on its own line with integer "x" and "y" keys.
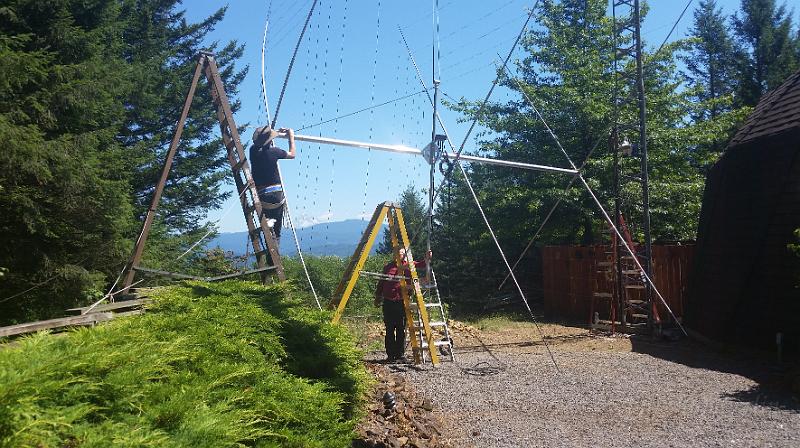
{"x": 297, "y": 245}
{"x": 263, "y": 62}
{"x": 38, "y": 285}
{"x": 212, "y": 229}
{"x": 291, "y": 64}
{"x": 108, "y": 294}
{"x": 372, "y": 111}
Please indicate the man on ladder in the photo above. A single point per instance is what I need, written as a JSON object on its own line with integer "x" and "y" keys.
{"x": 264, "y": 156}
{"x": 388, "y": 293}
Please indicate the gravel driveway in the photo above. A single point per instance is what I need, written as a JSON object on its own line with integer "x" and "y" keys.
{"x": 511, "y": 396}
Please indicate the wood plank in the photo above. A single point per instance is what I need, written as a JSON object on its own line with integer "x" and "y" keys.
{"x": 122, "y": 304}
{"x": 167, "y": 274}
{"x": 31, "y": 327}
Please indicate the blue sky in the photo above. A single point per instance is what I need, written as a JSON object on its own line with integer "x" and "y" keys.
{"x": 352, "y": 57}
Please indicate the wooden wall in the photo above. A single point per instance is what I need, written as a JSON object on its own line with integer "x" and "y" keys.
{"x": 570, "y": 275}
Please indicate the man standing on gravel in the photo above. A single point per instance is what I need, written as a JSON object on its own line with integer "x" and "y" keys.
{"x": 394, "y": 314}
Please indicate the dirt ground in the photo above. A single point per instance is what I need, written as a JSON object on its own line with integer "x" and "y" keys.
{"x": 504, "y": 391}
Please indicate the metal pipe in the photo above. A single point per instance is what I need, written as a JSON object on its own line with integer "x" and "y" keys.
{"x": 648, "y": 239}
{"x": 401, "y": 149}
{"x": 432, "y": 173}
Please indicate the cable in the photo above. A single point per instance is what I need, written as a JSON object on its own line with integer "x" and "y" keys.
{"x": 602, "y": 210}
{"x": 460, "y": 165}
{"x": 212, "y": 229}
{"x": 291, "y": 64}
{"x": 280, "y": 176}
{"x": 369, "y": 108}
{"x": 38, "y": 285}
{"x": 675, "y": 25}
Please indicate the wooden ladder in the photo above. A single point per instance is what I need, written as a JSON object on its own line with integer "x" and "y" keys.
{"x": 265, "y": 245}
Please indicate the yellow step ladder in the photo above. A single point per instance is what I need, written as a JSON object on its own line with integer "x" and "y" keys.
{"x": 391, "y": 212}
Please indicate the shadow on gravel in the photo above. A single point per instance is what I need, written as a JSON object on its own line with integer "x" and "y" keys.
{"x": 774, "y": 388}
{"x": 772, "y": 397}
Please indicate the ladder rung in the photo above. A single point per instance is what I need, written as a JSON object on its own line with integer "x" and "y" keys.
{"x": 261, "y": 252}
{"x": 632, "y": 272}
{"x": 639, "y": 316}
{"x": 438, "y": 324}
{"x": 634, "y": 286}
{"x": 603, "y": 295}
{"x": 238, "y": 165}
{"x": 635, "y": 302}
{"x": 436, "y": 343}
{"x": 427, "y": 305}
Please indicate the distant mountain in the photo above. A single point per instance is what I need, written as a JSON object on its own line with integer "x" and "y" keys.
{"x": 335, "y": 238}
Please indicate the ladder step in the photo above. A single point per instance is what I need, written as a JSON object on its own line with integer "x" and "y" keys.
{"x": 636, "y": 302}
{"x": 238, "y": 165}
{"x": 606, "y": 264}
{"x": 634, "y": 286}
{"x": 438, "y": 324}
{"x": 427, "y": 305}
{"x": 632, "y": 272}
{"x": 604, "y": 295}
{"x": 436, "y": 343}
{"x": 639, "y": 316}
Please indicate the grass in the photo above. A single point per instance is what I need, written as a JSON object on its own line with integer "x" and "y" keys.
{"x": 210, "y": 365}
{"x": 497, "y": 321}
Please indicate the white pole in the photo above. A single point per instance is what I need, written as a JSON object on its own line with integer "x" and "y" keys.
{"x": 402, "y": 149}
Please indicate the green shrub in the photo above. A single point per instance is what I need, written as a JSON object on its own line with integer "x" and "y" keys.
{"x": 226, "y": 364}
{"x": 326, "y": 272}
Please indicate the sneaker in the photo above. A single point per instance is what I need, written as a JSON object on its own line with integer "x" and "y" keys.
{"x": 271, "y": 223}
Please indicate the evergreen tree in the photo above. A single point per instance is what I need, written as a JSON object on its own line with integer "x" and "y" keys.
{"x": 712, "y": 60}
{"x": 765, "y": 30}
{"x": 89, "y": 93}
{"x": 415, "y": 215}
{"x": 567, "y": 75}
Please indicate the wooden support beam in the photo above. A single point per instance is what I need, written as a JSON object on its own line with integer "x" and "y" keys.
{"x": 122, "y": 304}
{"x": 31, "y": 327}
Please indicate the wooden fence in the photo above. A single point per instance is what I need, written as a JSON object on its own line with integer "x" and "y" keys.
{"x": 570, "y": 275}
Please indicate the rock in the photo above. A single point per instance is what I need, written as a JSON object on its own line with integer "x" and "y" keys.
{"x": 476, "y": 433}
{"x": 403, "y": 441}
{"x": 418, "y": 443}
{"x": 393, "y": 442}
{"x": 421, "y": 429}
{"x": 427, "y": 405}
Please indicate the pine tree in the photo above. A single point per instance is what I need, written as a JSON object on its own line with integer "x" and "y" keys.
{"x": 566, "y": 73}
{"x": 415, "y": 214}
{"x": 89, "y": 92}
{"x": 712, "y": 60}
{"x": 765, "y": 30}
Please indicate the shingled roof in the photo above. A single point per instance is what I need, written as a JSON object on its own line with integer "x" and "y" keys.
{"x": 777, "y": 112}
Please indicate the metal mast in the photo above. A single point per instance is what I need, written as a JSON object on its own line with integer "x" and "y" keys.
{"x": 648, "y": 241}
{"x": 628, "y": 47}
{"x": 433, "y": 146}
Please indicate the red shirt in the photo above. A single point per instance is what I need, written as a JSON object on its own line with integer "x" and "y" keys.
{"x": 390, "y": 289}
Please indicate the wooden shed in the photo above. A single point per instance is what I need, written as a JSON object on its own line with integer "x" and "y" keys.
{"x": 744, "y": 284}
